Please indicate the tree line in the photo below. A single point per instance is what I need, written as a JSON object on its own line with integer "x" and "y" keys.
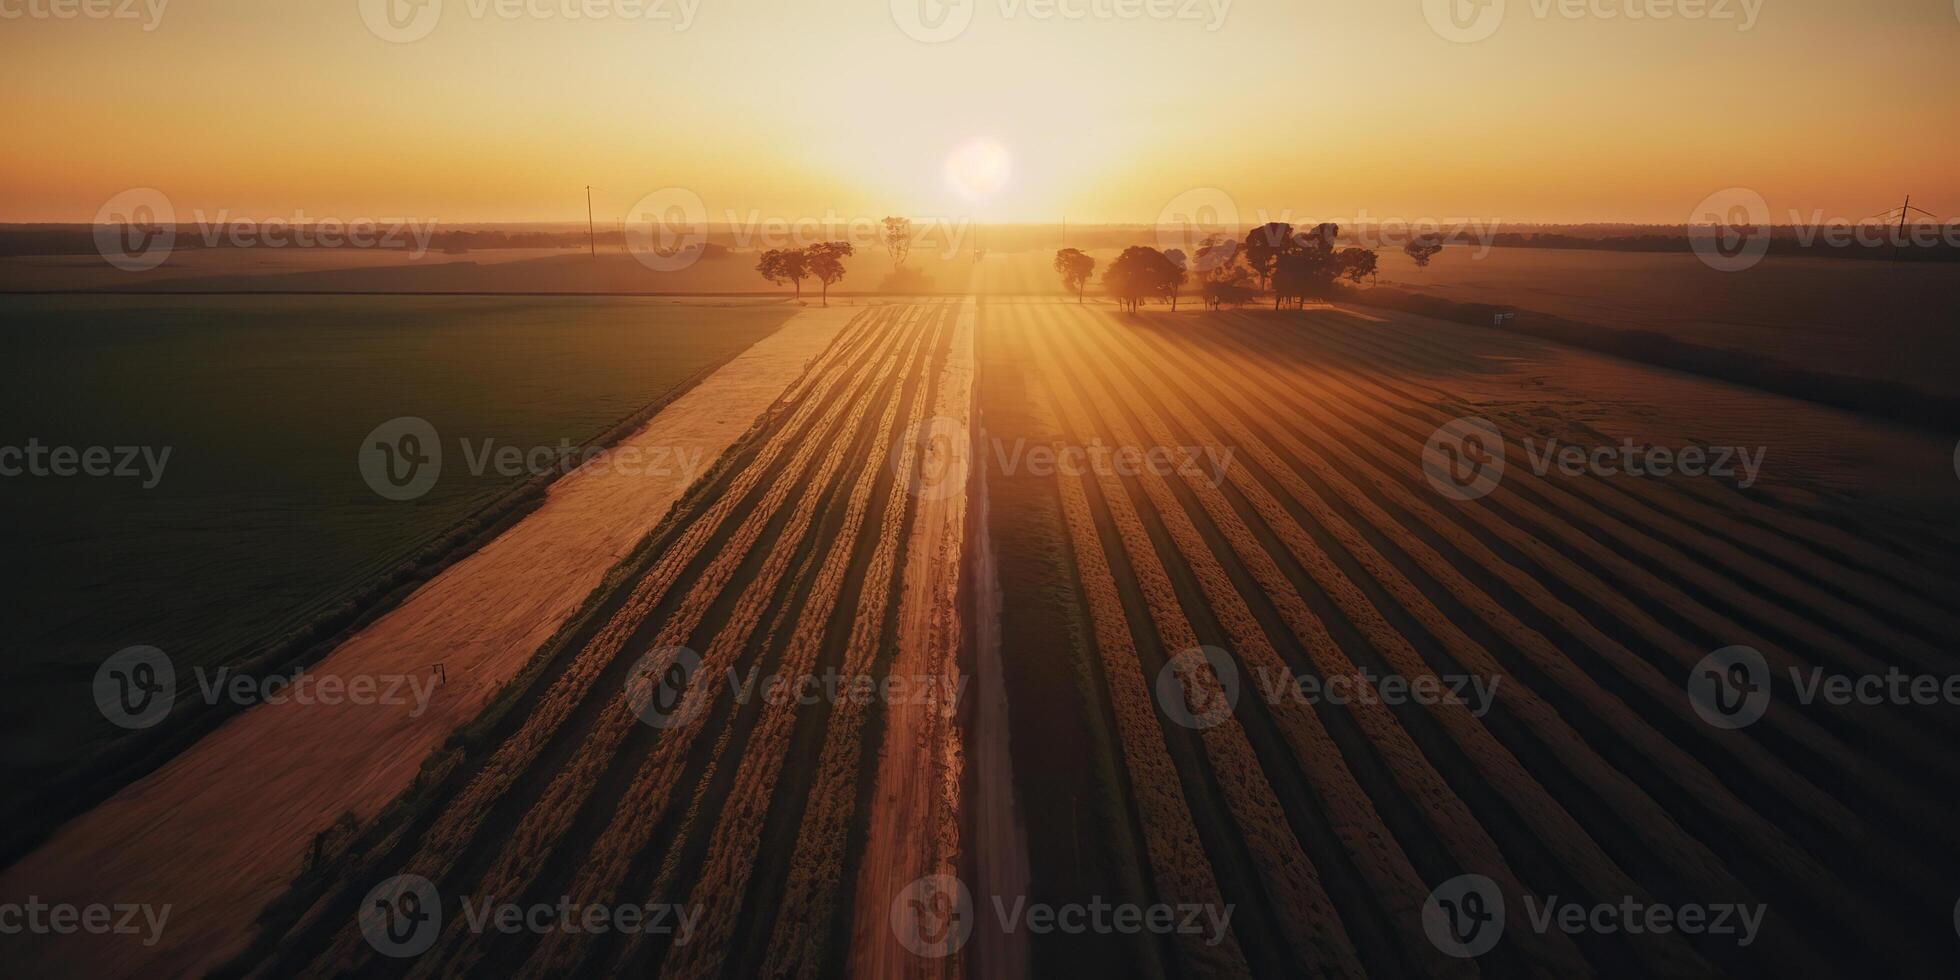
{"x": 1295, "y": 266}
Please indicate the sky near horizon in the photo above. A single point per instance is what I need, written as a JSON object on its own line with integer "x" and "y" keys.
{"x": 1100, "y": 110}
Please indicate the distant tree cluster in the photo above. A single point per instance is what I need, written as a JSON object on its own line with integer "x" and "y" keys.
{"x": 823, "y": 261}
{"x": 1296, "y": 266}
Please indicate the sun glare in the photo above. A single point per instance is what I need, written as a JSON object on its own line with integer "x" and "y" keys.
{"x": 977, "y": 169}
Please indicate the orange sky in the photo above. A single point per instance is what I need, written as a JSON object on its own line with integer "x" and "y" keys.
{"x": 800, "y": 107}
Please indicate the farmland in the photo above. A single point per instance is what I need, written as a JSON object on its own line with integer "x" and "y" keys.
{"x": 1321, "y": 552}
{"x": 1047, "y": 652}
{"x": 792, "y": 560}
{"x": 259, "y": 523}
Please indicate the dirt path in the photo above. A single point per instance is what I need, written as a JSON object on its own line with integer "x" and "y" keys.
{"x": 217, "y": 832}
{"x": 1000, "y": 835}
{"x": 915, "y": 814}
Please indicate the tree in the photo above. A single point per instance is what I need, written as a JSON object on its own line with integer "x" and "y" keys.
{"x": 781, "y": 265}
{"x": 1139, "y": 273}
{"x": 825, "y": 260}
{"x": 1174, "y": 277}
{"x": 1075, "y": 267}
{"x": 1422, "y": 249}
{"x": 897, "y": 236}
{"x": 1217, "y": 260}
{"x": 1356, "y": 263}
{"x": 1307, "y": 269}
{"x": 1263, "y": 247}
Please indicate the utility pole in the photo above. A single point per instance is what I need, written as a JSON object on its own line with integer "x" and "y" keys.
{"x": 591, "y": 231}
{"x": 1906, "y": 212}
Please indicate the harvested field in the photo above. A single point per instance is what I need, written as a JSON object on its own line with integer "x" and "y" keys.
{"x": 881, "y": 644}
{"x": 1318, "y": 550}
{"x": 813, "y": 550}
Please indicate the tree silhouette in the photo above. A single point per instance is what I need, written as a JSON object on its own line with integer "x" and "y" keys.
{"x": 1139, "y": 273}
{"x": 1422, "y": 250}
{"x": 825, "y": 260}
{"x": 1174, "y": 277}
{"x": 1307, "y": 267}
{"x": 1217, "y": 259}
{"x": 1263, "y": 247}
{"x": 781, "y": 265}
{"x": 1357, "y": 263}
{"x": 1075, "y": 267}
{"x": 897, "y": 236}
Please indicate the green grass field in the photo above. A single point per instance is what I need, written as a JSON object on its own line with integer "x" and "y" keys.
{"x": 261, "y": 521}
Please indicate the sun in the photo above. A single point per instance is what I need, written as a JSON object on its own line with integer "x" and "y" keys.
{"x": 978, "y": 168}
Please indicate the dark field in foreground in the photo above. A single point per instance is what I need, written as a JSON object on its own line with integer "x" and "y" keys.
{"x": 261, "y": 520}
